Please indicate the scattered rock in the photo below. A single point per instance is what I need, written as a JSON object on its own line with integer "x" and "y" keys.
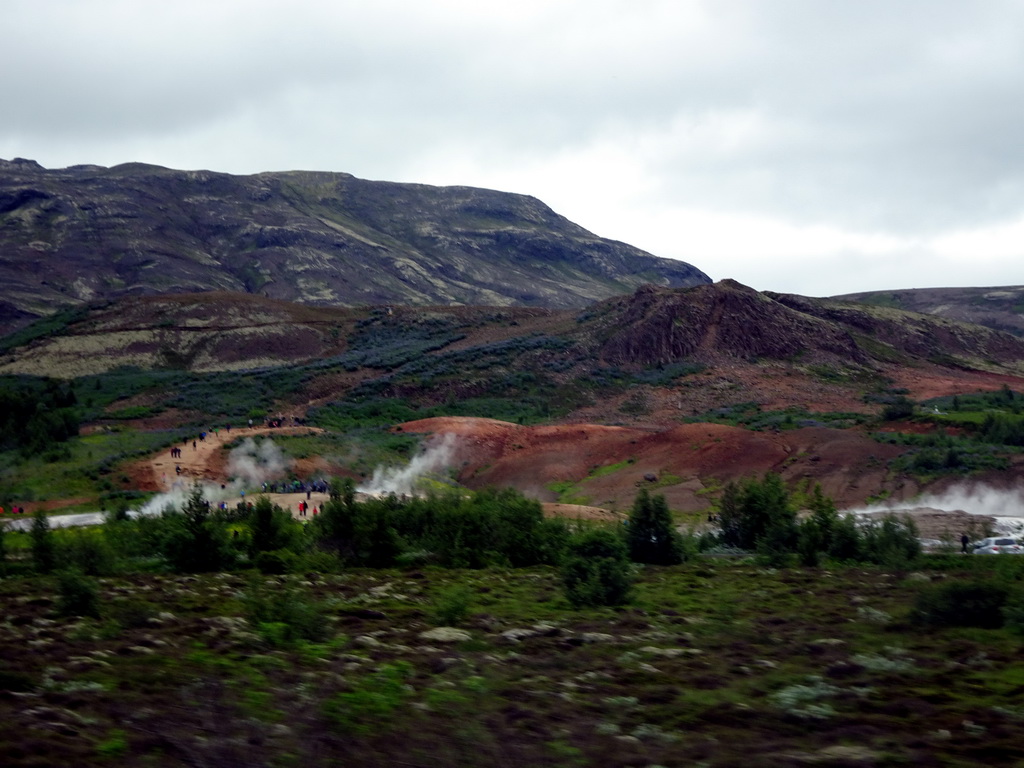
{"x": 825, "y": 642}
{"x": 517, "y": 635}
{"x": 445, "y": 635}
{"x": 669, "y": 653}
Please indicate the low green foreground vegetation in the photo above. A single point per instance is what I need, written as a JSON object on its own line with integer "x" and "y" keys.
{"x": 465, "y": 630}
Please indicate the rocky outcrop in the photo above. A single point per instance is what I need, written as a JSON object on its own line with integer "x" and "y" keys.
{"x": 657, "y": 327}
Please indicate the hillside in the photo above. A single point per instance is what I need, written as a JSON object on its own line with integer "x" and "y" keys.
{"x": 88, "y": 233}
{"x": 725, "y": 330}
{"x": 592, "y": 402}
{"x": 999, "y": 308}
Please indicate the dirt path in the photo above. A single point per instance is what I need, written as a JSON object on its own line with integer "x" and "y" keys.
{"x": 205, "y": 459}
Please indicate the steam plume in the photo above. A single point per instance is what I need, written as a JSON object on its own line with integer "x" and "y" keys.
{"x": 1006, "y": 506}
{"x": 435, "y": 456}
{"x": 255, "y": 463}
{"x": 249, "y": 466}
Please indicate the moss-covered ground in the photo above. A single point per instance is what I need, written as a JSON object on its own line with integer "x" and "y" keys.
{"x": 718, "y": 662}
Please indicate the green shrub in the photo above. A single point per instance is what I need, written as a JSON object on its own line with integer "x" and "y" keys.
{"x": 131, "y": 613}
{"x": 272, "y": 528}
{"x": 893, "y": 542}
{"x": 318, "y": 561}
{"x": 89, "y": 551}
{"x": 284, "y": 615}
{"x": 451, "y": 605}
{"x": 1013, "y": 611}
{"x": 596, "y": 570}
{"x": 77, "y": 594}
{"x": 372, "y": 700}
{"x": 279, "y": 561}
{"x": 44, "y": 548}
{"x": 900, "y": 408}
{"x": 974, "y": 603}
{"x": 114, "y": 746}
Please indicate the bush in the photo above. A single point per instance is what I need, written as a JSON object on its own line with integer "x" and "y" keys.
{"x": 88, "y": 551}
{"x": 597, "y": 570}
{"x": 131, "y": 613}
{"x": 78, "y": 595}
{"x": 44, "y": 548}
{"x": 892, "y": 543}
{"x": 284, "y": 615}
{"x": 758, "y": 515}
{"x": 900, "y": 408}
{"x": 451, "y": 606}
{"x": 975, "y": 603}
{"x": 1013, "y": 612}
{"x": 277, "y": 562}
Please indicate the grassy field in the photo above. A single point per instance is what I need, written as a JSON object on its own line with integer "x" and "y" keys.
{"x": 719, "y": 662}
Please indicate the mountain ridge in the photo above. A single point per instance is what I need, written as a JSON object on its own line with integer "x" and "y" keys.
{"x": 83, "y": 233}
{"x": 997, "y": 307}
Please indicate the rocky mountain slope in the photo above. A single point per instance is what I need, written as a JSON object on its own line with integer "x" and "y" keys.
{"x": 717, "y": 327}
{"x": 999, "y": 308}
{"x": 87, "y": 233}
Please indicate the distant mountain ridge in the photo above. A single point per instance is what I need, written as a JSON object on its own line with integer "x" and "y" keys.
{"x": 85, "y": 233}
{"x": 721, "y": 324}
{"x": 1001, "y": 308}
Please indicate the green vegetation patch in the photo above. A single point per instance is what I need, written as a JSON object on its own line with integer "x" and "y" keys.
{"x": 750, "y": 415}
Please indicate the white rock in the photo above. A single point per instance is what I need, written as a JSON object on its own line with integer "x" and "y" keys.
{"x": 445, "y": 635}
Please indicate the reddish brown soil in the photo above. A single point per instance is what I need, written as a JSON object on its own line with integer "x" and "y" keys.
{"x": 688, "y": 464}
{"x": 206, "y": 462}
{"x": 943, "y": 382}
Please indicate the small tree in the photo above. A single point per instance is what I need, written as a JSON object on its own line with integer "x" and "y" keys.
{"x": 650, "y": 535}
{"x": 893, "y": 542}
{"x": 44, "y": 549}
{"x": 376, "y": 543}
{"x": 596, "y": 570}
{"x": 758, "y": 515}
{"x": 270, "y": 527}
{"x": 816, "y": 533}
{"x": 198, "y": 542}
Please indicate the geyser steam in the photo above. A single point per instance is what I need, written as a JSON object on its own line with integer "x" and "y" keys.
{"x": 435, "y": 456}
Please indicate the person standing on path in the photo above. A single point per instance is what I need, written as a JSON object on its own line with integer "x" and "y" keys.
{"x": 964, "y": 541}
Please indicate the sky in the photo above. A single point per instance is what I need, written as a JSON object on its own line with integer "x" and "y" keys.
{"x": 817, "y": 147}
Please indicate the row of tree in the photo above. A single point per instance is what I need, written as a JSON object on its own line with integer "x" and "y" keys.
{"x": 463, "y": 530}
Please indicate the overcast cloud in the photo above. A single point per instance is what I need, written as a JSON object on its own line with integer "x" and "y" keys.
{"x": 812, "y": 146}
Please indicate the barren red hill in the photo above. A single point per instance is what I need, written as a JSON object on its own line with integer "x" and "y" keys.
{"x": 688, "y": 464}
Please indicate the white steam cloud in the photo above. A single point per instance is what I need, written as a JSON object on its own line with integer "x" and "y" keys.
{"x": 255, "y": 463}
{"x": 1006, "y": 506}
{"x": 249, "y": 466}
{"x": 434, "y": 457}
